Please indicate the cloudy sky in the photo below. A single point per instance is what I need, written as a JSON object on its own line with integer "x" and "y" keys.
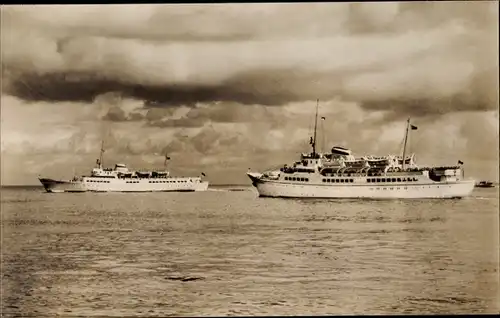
{"x": 227, "y": 87}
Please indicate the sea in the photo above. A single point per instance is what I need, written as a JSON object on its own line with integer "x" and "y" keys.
{"x": 227, "y": 252}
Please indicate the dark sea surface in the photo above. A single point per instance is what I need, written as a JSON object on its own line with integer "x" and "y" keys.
{"x": 231, "y": 253}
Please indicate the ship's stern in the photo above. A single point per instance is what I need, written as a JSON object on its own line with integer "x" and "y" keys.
{"x": 202, "y": 186}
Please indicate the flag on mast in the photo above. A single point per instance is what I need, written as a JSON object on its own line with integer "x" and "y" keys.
{"x": 413, "y": 127}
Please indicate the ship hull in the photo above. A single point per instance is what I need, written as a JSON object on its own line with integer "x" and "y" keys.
{"x": 60, "y": 186}
{"x": 436, "y": 190}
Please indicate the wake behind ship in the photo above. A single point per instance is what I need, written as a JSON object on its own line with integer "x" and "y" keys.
{"x": 121, "y": 179}
{"x": 339, "y": 174}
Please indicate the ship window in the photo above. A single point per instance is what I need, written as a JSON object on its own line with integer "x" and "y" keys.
{"x": 324, "y": 180}
{"x": 307, "y": 180}
{"x": 415, "y": 179}
{"x": 383, "y": 179}
{"x": 342, "y": 180}
{"x": 351, "y": 180}
{"x": 368, "y": 180}
{"x": 393, "y": 179}
{"x": 378, "y": 179}
{"x": 399, "y": 179}
{"x": 286, "y": 178}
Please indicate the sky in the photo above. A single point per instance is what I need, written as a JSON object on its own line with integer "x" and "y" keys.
{"x": 223, "y": 88}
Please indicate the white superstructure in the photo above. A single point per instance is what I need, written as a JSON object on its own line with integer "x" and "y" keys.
{"x": 339, "y": 174}
{"x": 121, "y": 179}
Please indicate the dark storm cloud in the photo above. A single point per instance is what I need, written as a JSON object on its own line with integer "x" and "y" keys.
{"x": 86, "y": 87}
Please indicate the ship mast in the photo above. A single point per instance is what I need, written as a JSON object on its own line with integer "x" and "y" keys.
{"x": 406, "y": 139}
{"x": 101, "y": 154}
{"x": 315, "y": 127}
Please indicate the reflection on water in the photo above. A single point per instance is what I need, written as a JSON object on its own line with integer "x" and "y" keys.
{"x": 230, "y": 253}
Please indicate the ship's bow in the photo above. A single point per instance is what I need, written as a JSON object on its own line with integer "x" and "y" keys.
{"x": 255, "y": 177}
{"x": 50, "y": 185}
{"x": 58, "y": 186}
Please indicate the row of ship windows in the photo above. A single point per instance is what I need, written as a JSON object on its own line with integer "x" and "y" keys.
{"x": 406, "y": 188}
{"x": 106, "y": 181}
{"x": 338, "y": 180}
{"x": 171, "y": 181}
{"x": 373, "y": 180}
{"x": 297, "y": 179}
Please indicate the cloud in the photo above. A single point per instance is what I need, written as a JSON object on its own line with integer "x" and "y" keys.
{"x": 237, "y": 84}
{"x": 375, "y": 54}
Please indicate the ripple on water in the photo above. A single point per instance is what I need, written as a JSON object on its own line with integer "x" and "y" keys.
{"x": 230, "y": 253}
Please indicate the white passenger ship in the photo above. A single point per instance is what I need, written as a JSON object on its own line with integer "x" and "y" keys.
{"x": 121, "y": 179}
{"x": 339, "y": 174}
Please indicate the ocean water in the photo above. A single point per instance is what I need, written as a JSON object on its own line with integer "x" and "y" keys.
{"x": 231, "y": 253}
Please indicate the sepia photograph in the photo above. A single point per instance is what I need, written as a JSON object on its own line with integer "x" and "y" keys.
{"x": 250, "y": 159}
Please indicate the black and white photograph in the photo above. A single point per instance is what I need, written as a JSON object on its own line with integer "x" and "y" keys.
{"x": 250, "y": 159}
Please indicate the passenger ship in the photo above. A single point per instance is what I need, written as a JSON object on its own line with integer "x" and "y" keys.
{"x": 339, "y": 174}
{"x": 121, "y": 179}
